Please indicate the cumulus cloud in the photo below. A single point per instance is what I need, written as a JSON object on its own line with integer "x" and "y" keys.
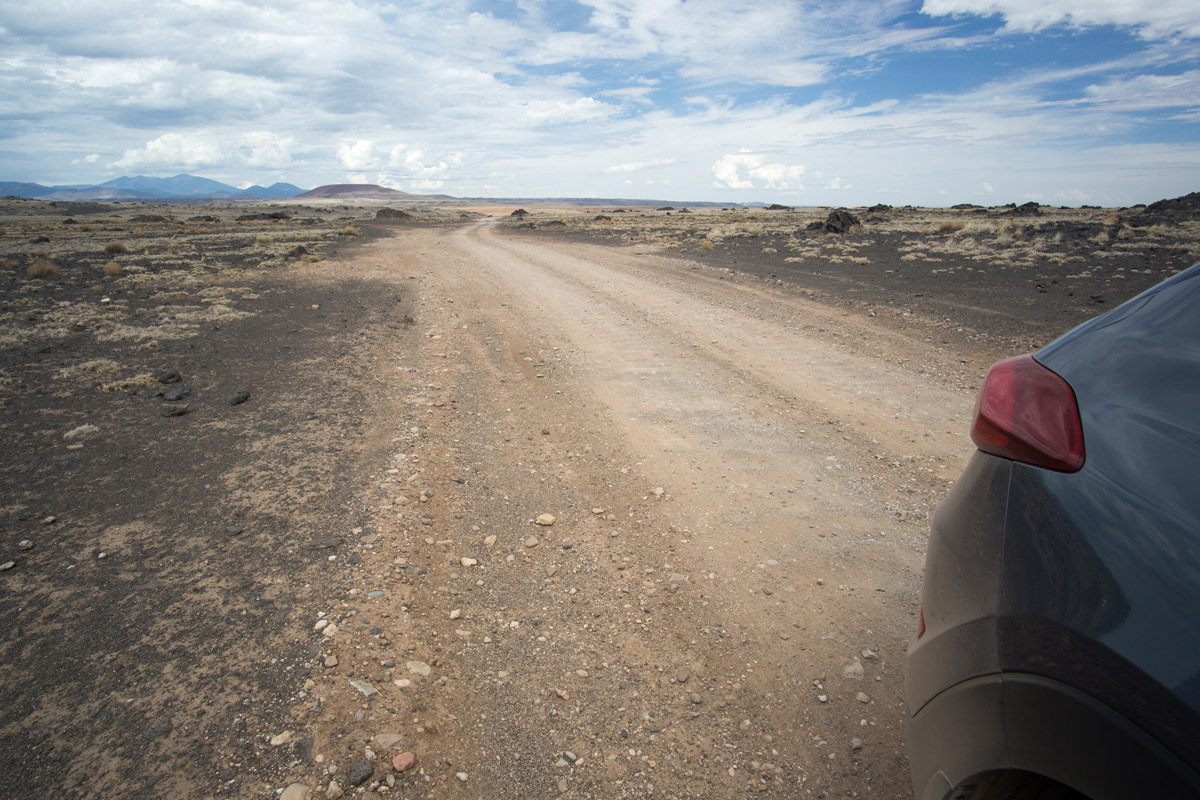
{"x": 1160, "y": 19}
{"x": 173, "y": 150}
{"x": 750, "y": 171}
{"x": 358, "y": 155}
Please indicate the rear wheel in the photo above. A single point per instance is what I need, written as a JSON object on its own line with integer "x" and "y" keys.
{"x": 1014, "y": 785}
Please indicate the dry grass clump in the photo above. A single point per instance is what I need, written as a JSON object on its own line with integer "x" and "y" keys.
{"x": 264, "y": 240}
{"x": 350, "y": 230}
{"x": 951, "y": 227}
{"x": 7, "y": 263}
{"x": 143, "y": 381}
{"x": 42, "y": 268}
{"x": 706, "y": 244}
{"x": 100, "y": 366}
{"x": 112, "y": 269}
{"x": 115, "y": 248}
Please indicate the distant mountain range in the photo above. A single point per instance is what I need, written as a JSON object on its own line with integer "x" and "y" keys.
{"x": 186, "y": 188}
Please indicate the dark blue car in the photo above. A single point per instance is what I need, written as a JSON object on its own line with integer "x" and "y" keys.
{"x": 1058, "y": 652}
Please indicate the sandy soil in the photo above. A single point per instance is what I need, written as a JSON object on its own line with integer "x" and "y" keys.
{"x": 555, "y": 517}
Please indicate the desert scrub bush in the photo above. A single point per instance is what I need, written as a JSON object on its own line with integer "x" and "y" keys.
{"x": 350, "y": 230}
{"x": 115, "y": 249}
{"x": 262, "y": 241}
{"x": 112, "y": 269}
{"x": 42, "y": 268}
{"x": 951, "y": 227}
{"x": 313, "y": 259}
{"x": 7, "y": 263}
{"x": 143, "y": 381}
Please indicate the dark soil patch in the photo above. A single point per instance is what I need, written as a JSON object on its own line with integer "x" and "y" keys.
{"x": 153, "y": 634}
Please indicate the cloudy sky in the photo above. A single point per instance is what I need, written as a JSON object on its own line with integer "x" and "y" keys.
{"x": 812, "y": 102}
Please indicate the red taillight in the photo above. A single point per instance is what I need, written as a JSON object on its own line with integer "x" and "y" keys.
{"x": 1027, "y": 413}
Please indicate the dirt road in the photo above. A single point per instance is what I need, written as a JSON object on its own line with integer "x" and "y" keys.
{"x": 740, "y": 480}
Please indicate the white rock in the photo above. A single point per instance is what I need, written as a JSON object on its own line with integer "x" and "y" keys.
{"x": 545, "y": 520}
{"x": 297, "y": 791}
{"x": 330, "y": 630}
{"x": 419, "y": 668}
{"x": 281, "y": 738}
{"x": 467, "y": 562}
{"x": 456, "y": 613}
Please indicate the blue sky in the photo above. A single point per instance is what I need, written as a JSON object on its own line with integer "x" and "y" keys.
{"x": 805, "y": 103}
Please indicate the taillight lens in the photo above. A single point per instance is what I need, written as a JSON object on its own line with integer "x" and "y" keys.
{"x": 1029, "y": 414}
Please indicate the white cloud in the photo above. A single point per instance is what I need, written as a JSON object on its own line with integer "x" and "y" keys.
{"x": 266, "y": 149}
{"x": 1159, "y": 19}
{"x": 357, "y": 156}
{"x": 987, "y": 188}
{"x": 750, "y": 171}
{"x": 637, "y": 166}
{"x": 171, "y": 151}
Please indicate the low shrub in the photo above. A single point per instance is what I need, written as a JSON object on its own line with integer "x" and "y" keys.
{"x": 115, "y": 248}
{"x": 350, "y": 230}
{"x": 112, "y": 268}
{"x": 42, "y": 268}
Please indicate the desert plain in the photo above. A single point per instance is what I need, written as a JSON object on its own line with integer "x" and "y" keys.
{"x": 324, "y": 500}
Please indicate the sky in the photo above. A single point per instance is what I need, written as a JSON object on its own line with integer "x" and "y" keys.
{"x": 814, "y": 102}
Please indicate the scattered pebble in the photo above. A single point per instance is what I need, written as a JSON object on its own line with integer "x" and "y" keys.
{"x": 239, "y": 397}
{"x": 545, "y": 520}
{"x": 387, "y": 741}
{"x": 403, "y": 762}
{"x": 462, "y": 776}
{"x": 467, "y": 562}
{"x": 331, "y": 661}
{"x": 419, "y": 668}
{"x": 360, "y": 772}
{"x": 532, "y": 542}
